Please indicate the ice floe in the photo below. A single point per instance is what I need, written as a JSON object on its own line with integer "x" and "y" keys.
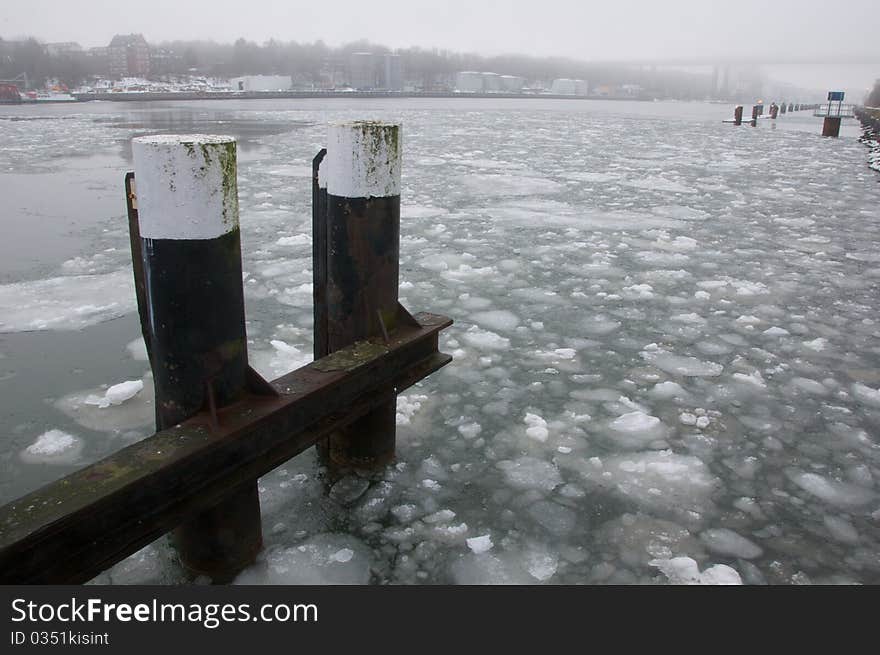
{"x": 65, "y": 303}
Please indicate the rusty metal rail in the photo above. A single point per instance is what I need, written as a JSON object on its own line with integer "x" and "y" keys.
{"x": 72, "y": 529}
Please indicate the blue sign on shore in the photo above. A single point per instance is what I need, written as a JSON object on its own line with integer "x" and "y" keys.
{"x": 835, "y": 96}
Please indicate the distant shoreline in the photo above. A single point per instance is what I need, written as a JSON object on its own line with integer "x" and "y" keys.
{"x": 271, "y": 95}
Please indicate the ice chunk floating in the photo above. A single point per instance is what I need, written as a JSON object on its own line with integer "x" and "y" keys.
{"x": 65, "y": 303}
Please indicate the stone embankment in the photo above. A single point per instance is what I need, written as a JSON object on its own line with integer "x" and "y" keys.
{"x": 870, "y": 119}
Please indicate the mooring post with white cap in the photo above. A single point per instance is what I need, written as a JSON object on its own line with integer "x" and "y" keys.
{"x": 361, "y": 258}
{"x": 187, "y": 206}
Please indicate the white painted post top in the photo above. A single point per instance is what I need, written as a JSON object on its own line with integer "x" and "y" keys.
{"x": 363, "y": 159}
{"x": 186, "y": 185}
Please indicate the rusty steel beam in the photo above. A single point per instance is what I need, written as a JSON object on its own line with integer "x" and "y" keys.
{"x": 71, "y": 530}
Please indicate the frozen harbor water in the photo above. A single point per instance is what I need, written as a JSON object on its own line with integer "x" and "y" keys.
{"x": 667, "y": 350}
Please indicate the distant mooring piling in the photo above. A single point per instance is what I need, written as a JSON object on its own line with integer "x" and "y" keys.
{"x": 831, "y": 126}
{"x": 220, "y": 426}
{"x": 738, "y": 116}
{"x": 831, "y": 113}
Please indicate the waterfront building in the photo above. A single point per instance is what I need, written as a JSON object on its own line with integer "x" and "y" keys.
{"x": 567, "y": 87}
{"x": 392, "y": 73}
{"x": 128, "y": 56}
{"x": 512, "y": 83}
{"x": 261, "y": 83}
{"x": 491, "y": 82}
{"x": 362, "y": 70}
{"x": 64, "y": 49}
{"x": 469, "y": 82}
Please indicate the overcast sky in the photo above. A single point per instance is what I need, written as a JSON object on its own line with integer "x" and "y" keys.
{"x": 582, "y": 29}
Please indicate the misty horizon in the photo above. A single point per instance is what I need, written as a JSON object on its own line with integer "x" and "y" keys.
{"x": 793, "y": 42}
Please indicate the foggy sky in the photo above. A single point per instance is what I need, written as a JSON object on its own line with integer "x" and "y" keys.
{"x": 617, "y": 30}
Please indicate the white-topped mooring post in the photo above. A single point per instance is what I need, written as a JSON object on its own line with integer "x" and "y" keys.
{"x": 187, "y": 186}
{"x": 362, "y": 252}
{"x": 187, "y": 203}
{"x": 363, "y": 160}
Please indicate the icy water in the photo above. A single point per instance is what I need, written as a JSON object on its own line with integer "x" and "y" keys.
{"x": 666, "y": 341}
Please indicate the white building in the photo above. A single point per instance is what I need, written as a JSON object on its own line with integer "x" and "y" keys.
{"x": 362, "y": 70}
{"x": 488, "y": 82}
{"x": 261, "y": 83}
{"x": 392, "y": 73}
{"x": 491, "y": 82}
{"x": 567, "y": 87}
{"x": 512, "y": 83}
{"x": 469, "y": 82}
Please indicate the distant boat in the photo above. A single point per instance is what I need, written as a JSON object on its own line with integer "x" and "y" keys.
{"x": 9, "y": 94}
{"x": 48, "y": 96}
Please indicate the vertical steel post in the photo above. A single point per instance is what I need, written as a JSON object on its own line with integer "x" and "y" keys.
{"x": 319, "y": 275}
{"x": 363, "y": 257}
{"x": 137, "y": 263}
{"x": 191, "y": 254}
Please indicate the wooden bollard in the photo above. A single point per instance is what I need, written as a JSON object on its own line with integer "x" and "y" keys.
{"x": 774, "y": 111}
{"x": 754, "y": 121}
{"x": 363, "y": 259}
{"x": 191, "y": 250}
{"x": 738, "y": 115}
{"x": 831, "y": 126}
{"x": 782, "y": 108}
